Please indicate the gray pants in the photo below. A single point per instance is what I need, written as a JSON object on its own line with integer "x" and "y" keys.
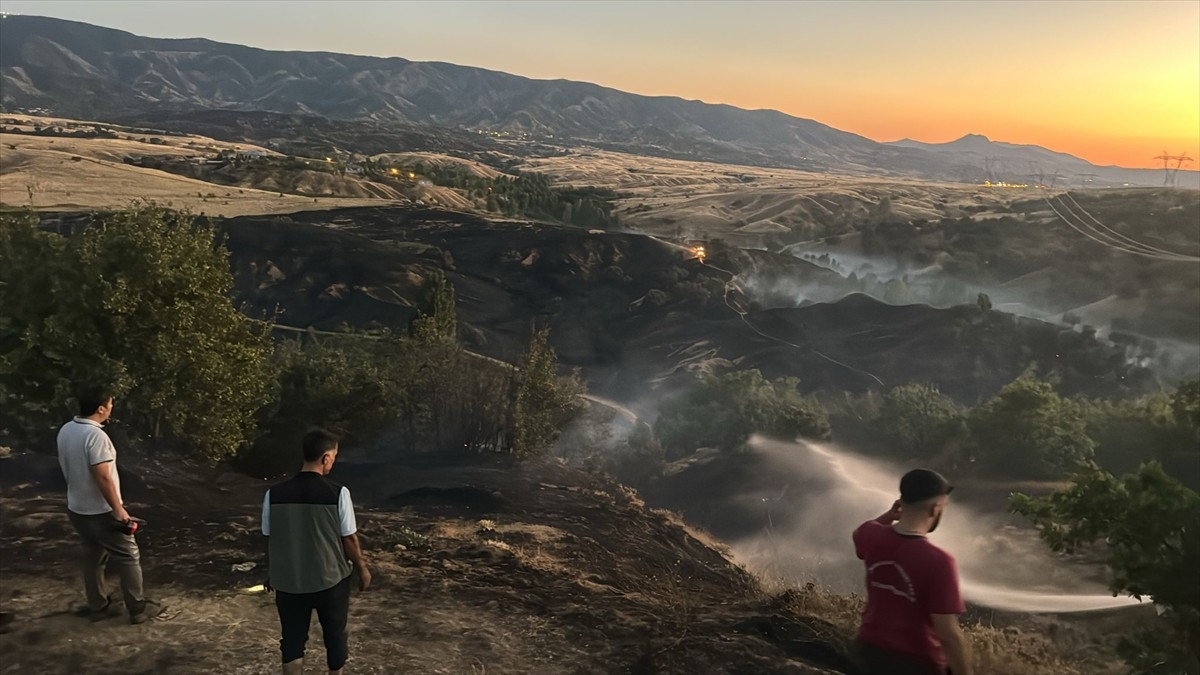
{"x": 102, "y": 541}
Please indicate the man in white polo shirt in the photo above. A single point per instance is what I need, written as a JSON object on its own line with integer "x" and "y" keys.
{"x": 89, "y": 463}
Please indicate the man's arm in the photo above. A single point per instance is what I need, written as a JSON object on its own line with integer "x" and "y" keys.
{"x": 266, "y": 530}
{"x": 350, "y": 545}
{"x": 954, "y": 643}
{"x": 354, "y": 554}
{"x": 102, "y": 472}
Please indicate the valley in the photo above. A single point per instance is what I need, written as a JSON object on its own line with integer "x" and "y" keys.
{"x": 753, "y": 323}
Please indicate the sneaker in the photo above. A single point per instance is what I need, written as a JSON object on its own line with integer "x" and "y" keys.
{"x": 109, "y": 611}
{"x": 150, "y": 609}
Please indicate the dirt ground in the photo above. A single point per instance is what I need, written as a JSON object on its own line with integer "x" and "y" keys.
{"x": 488, "y": 568}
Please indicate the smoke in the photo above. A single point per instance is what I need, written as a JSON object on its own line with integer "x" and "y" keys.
{"x": 899, "y": 283}
{"x": 828, "y": 492}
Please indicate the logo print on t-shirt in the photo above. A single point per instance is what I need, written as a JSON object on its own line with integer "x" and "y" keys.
{"x": 890, "y": 576}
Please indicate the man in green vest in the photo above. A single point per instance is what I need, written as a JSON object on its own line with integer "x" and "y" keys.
{"x": 313, "y": 550}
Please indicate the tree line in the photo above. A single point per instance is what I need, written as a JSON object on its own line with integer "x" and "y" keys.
{"x": 529, "y": 195}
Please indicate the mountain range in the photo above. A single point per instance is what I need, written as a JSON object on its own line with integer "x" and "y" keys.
{"x": 80, "y": 70}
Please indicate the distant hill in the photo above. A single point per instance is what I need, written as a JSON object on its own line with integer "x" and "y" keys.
{"x": 81, "y": 70}
{"x": 1013, "y": 162}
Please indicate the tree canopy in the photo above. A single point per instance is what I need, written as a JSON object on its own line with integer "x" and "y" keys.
{"x": 1029, "y": 428}
{"x": 918, "y": 421}
{"x": 1147, "y": 522}
{"x": 137, "y": 301}
{"x": 544, "y": 401}
{"x": 722, "y": 411}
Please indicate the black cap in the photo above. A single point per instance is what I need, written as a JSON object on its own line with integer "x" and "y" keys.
{"x": 921, "y": 484}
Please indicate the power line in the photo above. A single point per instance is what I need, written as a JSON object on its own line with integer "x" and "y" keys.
{"x": 1126, "y": 238}
{"x": 1109, "y": 237}
{"x": 1171, "y": 173}
{"x": 1111, "y": 242}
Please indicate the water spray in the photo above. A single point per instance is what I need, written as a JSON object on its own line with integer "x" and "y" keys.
{"x": 1001, "y": 566}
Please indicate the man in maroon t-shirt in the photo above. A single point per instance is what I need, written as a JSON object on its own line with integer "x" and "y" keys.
{"x": 910, "y": 624}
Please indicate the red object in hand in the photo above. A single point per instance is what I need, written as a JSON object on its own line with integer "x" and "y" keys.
{"x": 131, "y": 526}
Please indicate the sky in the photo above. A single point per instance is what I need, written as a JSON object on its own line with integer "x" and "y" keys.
{"x": 1113, "y": 82}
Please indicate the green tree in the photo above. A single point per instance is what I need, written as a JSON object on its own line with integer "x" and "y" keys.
{"x": 1145, "y": 524}
{"x": 140, "y": 300}
{"x": 436, "y": 318}
{"x": 353, "y": 385}
{"x": 918, "y": 421}
{"x": 544, "y": 401}
{"x": 722, "y": 411}
{"x": 1029, "y": 430}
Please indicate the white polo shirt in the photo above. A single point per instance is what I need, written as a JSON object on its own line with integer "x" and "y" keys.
{"x": 83, "y": 444}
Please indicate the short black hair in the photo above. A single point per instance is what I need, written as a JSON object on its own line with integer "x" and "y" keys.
{"x": 919, "y": 485}
{"x": 317, "y": 442}
{"x": 91, "y": 397}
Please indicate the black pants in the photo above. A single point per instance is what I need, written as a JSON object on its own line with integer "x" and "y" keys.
{"x": 295, "y": 613}
{"x": 874, "y": 660}
{"x": 102, "y": 541}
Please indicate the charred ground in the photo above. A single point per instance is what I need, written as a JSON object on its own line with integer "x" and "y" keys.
{"x": 633, "y": 311}
{"x": 485, "y": 566}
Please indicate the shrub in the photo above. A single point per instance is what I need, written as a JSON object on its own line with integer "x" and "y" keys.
{"x": 918, "y": 422}
{"x": 723, "y": 411}
{"x": 1028, "y": 430}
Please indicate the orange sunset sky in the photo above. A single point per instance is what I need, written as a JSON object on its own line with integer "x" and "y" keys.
{"x": 1112, "y": 82}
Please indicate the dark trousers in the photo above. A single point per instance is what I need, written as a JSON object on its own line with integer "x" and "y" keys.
{"x": 103, "y": 541}
{"x": 873, "y": 660}
{"x": 295, "y": 613}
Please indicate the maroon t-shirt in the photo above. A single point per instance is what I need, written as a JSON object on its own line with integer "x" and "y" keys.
{"x": 908, "y": 580}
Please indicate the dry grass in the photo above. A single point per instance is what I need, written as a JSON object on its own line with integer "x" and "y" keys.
{"x": 80, "y": 174}
{"x": 695, "y": 532}
{"x": 708, "y": 200}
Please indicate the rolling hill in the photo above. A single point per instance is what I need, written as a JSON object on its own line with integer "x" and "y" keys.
{"x": 77, "y": 69}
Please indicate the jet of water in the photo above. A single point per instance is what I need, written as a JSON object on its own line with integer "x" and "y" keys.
{"x": 1001, "y": 565}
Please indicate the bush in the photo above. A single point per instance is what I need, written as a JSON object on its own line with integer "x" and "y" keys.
{"x": 723, "y": 411}
{"x": 422, "y": 394}
{"x": 1028, "y": 430}
{"x": 918, "y": 422}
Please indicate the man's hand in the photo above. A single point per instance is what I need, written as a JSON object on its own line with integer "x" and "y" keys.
{"x": 121, "y": 514}
{"x": 892, "y": 515}
{"x": 354, "y": 554}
